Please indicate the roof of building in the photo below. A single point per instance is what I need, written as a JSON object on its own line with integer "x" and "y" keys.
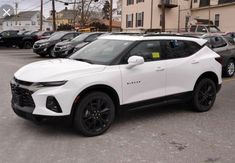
{"x": 115, "y": 24}
{"x": 22, "y": 16}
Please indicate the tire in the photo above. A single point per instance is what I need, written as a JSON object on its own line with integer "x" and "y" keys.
{"x": 28, "y": 45}
{"x": 229, "y": 70}
{"x": 51, "y": 52}
{"x": 42, "y": 55}
{"x": 94, "y": 114}
{"x": 204, "y": 95}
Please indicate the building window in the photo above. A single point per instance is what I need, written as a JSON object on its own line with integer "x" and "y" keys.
{"x": 130, "y": 2}
{"x": 217, "y": 19}
{"x": 129, "y": 20}
{"x": 225, "y": 1}
{"x": 33, "y": 23}
{"x": 194, "y": 1}
{"x": 140, "y": 19}
{"x": 138, "y": 1}
{"x": 204, "y": 3}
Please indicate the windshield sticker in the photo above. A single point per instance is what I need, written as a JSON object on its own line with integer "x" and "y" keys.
{"x": 155, "y": 55}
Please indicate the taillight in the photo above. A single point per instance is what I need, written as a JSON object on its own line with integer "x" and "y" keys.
{"x": 219, "y": 59}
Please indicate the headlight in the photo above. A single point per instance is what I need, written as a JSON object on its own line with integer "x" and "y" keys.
{"x": 44, "y": 44}
{"x": 50, "y": 84}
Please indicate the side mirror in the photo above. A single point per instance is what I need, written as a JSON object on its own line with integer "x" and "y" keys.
{"x": 134, "y": 61}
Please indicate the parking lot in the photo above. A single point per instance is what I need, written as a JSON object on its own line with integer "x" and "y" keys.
{"x": 164, "y": 134}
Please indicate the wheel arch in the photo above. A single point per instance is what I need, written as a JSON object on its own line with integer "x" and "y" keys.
{"x": 209, "y": 75}
{"x": 100, "y": 88}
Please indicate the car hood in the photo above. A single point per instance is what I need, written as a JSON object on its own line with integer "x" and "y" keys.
{"x": 42, "y": 41}
{"x": 56, "y": 70}
{"x": 81, "y": 45}
{"x": 66, "y": 43}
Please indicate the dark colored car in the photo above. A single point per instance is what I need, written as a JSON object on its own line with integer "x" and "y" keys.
{"x": 64, "y": 49}
{"x": 224, "y": 47}
{"x": 231, "y": 34}
{"x": 46, "y": 46}
{"x": 9, "y": 38}
{"x": 31, "y": 37}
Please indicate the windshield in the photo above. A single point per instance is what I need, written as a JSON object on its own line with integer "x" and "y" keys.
{"x": 80, "y": 38}
{"x": 102, "y": 51}
{"x": 213, "y": 29}
{"x": 57, "y": 35}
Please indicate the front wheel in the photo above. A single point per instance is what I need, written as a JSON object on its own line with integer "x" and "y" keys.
{"x": 52, "y": 53}
{"x": 230, "y": 68}
{"x": 94, "y": 114}
{"x": 28, "y": 45}
{"x": 204, "y": 95}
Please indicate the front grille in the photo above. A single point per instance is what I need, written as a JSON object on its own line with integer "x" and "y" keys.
{"x": 22, "y": 96}
{"x": 36, "y": 46}
{"x": 57, "y": 49}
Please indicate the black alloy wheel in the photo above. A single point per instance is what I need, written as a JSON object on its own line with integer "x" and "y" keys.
{"x": 94, "y": 114}
{"x": 52, "y": 53}
{"x": 204, "y": 95}
{"x": 230, "y": 68}
{"x": 28, "y": 45}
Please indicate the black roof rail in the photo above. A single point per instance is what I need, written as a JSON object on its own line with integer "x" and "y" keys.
{"x": 177, "y": 35}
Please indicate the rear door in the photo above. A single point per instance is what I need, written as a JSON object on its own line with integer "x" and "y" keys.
{"x": 182, "y": 66}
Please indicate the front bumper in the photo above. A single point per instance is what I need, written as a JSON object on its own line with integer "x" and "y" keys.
{"x": 62, "y": 52}
{"x": 41, "y": 50}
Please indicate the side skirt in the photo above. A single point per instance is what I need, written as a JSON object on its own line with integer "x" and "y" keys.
{"x": 181, "y": 97}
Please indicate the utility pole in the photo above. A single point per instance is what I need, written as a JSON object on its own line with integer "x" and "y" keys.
{"x": 111, "y": 16}
{"x": 163, "y": 15}
{"x": 53, "y": 15}
{"x": 82, "y": 14}
{"x": 179, "y": 14}
{"x": 41, "y": 16}
{"x": 16, "y": 12}
{"x": 151, "y": 17}
{"x": 209, "y": 21}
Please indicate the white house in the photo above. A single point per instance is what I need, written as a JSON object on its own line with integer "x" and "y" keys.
{"x": 27, "y": 20}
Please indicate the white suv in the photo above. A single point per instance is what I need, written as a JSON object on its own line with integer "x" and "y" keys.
{"x": 117, "y": 72}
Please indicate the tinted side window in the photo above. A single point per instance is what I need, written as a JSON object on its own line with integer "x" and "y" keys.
{"x": 218, "y": 42}
{"x": 179, "y": 48}
{"x": 91, "y": 38}
{"x": 68, "y": 37}
{"x": 201, "y": 29}
{"x": 193, "y": 28}
{"x": 149, "y": 50}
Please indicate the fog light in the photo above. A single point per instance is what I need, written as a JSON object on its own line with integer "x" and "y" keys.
{"x": 53, "y": 105}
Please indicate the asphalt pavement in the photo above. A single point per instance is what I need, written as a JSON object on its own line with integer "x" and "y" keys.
{"x": 165, "y": 134}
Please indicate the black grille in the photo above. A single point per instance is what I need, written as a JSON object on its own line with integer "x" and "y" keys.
{"x": 57, "y": 49}
{"x": 36, "y": 46}
{"x": 22, "y": 96}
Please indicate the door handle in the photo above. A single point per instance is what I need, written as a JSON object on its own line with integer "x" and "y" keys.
{"x": 160, "y": 69}
{"x": 195, "y": 61}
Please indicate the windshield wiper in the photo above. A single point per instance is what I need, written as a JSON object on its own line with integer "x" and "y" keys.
{"x": 84, "y": 60}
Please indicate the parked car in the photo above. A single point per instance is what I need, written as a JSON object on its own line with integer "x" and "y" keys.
{"x": 225, "y": 49}
{"x": 31, "y": 37}
{"x": 46, "y": 46}
{"x": 118, "y": 72}
{"x": 9, "y": 38}
{"x": 66, "y": 48}
{"x": 204, "y": 28}
{"x": 231, "y": 34}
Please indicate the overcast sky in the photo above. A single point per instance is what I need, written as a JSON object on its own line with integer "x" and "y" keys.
{"x": 27, "y": 5}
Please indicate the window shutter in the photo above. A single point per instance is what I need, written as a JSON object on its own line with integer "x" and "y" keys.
{"x": 132, "y": 15}
{"x": 142, "y": 19}
{"x": 126, "y": 21}
{"x": 136, "y": 21}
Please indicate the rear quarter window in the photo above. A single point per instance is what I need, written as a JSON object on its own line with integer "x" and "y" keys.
{"x": 179, "y": 49}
